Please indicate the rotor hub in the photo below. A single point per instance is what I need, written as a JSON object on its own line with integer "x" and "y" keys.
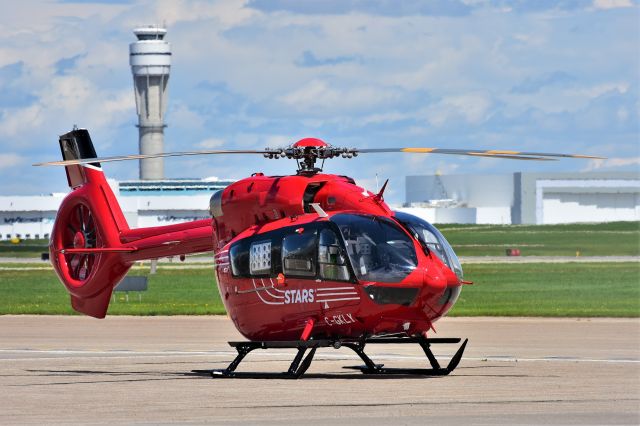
{"x": 310, "y": 142}
{"x": 308, "y": 151}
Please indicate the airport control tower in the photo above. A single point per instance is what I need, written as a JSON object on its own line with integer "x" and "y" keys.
{"x": 150, "y": 60}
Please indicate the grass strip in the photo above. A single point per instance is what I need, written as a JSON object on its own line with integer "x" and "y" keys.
{"x": 170, "y": 292}
{"x": 551, "y": 290}
{"x": 534, "y": 289}
{"x": 602, "y": 239}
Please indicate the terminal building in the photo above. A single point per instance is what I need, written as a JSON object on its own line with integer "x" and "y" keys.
{"x": 525, "y": 198}
{"x": 144, "y": 204}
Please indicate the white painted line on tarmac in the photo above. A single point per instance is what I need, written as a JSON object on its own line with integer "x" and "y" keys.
{"x": 83, "y": 354}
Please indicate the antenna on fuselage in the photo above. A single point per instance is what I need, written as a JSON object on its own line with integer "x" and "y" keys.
{"x": 378, "y": 196}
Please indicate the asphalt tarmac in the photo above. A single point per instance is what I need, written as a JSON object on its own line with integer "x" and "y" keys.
{"x": 61, "y": 370}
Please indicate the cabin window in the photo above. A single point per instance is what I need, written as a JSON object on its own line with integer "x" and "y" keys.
{"x": 332, "y": 258}
{"x": 260, "y": 258}
{"x": 299, "y": 253}
{"x": 239, "y": 255}
{"x": 311, "y": 251}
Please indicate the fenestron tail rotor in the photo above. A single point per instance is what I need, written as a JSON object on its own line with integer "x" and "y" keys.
{"x": 308, "y": 151}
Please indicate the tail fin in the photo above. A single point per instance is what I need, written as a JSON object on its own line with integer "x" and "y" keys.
{"x": 77, "y": 145}
{"x": 92, "y": 247}
{"x": 87, "y": 228}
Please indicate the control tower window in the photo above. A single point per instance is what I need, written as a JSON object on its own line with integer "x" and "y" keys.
{"x": 150, "y": 36}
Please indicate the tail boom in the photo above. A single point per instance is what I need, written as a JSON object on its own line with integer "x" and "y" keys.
{"x": 166, "y": 241}
{"x": 92, "y": 247}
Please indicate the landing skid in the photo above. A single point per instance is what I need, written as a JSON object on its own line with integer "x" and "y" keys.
{"x": 301, "y": 363}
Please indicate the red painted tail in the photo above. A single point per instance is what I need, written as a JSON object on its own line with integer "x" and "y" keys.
{"x": 92, "y": 247}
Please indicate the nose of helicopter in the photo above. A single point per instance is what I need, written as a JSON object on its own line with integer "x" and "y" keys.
{"x": 440, "y": 292}
{"x": 434, "y": 280}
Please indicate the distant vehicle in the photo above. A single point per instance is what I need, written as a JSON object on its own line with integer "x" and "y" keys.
{"x": 302, "y": 261}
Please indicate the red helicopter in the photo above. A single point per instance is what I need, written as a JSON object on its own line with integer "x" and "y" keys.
{"x": 303, "y": 261}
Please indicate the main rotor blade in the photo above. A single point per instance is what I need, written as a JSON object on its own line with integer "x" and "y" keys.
{"x": 334, "y": 152}
{"x": 492, "y": 153}
{"x": 143, "y": 156}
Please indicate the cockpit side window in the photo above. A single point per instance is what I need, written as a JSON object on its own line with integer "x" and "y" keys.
{"x": 428, "y": 239}
{"x": 332, "y": 258}
{"x": 299, "y": 254}
{"x": 378, "y": 249}
{"x": 431, "y": 240}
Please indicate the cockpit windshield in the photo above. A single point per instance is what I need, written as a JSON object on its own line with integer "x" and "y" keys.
{"x": 431, "y": 240}
{"x": 378, "y": 248}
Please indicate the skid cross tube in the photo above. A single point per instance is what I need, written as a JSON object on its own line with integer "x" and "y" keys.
{"x": 301, "y": 363}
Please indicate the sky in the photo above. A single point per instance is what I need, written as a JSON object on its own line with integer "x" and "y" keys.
{"x": 550, "y": 76}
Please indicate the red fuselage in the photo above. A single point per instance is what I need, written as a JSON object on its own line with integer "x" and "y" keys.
{"x": 275, "y": 271}
{"x": 290, "y": 251}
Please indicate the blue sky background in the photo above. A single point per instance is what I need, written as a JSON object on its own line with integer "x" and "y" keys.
{"x": 558, "y": 76}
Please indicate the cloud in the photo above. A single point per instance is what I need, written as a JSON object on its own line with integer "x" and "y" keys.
{"x": 472, "y": 108}
{"x": 10, "y": 160}
{"x": 380, "y": 7}
{"x": 524, "y": 6}
{"x": 15, "y": 97}
{"x": 319, "y": 98}
{"x": 183, "y": 117}
{"x": 64, "y": 65}
{"x": 576, "y": 97}
{"x": 173, "y": 12}
{"x": 95, "y": 1}
{"x": 592, "y": 92}
{"x": 477, "y": 73}
{"x": 211, "y": 143}
{"x": 611, "y": 4}
{"x": 66, "y": 101}
{"x": 308, "y": 59}
{"x": 12, "y": 91}
{"x": 612, "y": 163}
{"x": 11, "y": 72}
{"x": 534, "y": 84}
{"x": 278, "y": 141}
{"x": 14, "y": 121}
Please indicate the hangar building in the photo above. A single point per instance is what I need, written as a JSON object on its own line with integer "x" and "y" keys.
{"x": 525, "y": 198}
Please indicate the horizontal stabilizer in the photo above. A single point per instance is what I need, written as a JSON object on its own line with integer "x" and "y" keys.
{"x": 96, "y": 250}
